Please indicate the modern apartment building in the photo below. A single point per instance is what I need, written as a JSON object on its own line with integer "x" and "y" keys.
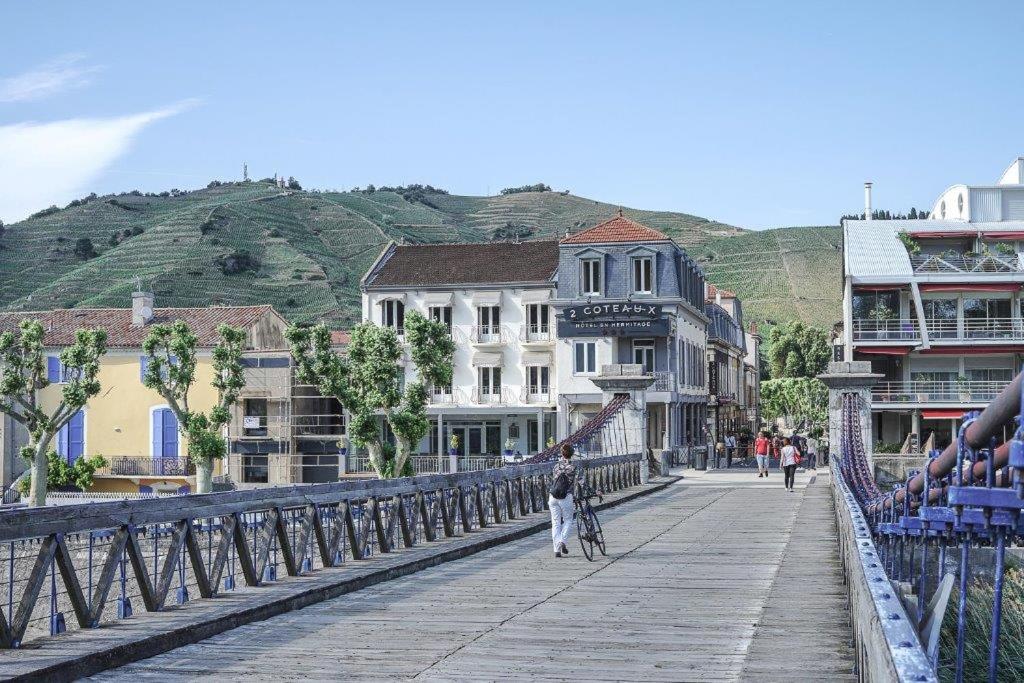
{"x": 936, "y": 306}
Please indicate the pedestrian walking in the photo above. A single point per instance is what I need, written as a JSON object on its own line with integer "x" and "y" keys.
{"x": 761, "y": 448}
{"x": 730, "y": 449}
{"x": 812, "y": 452}
{"x": 560, "y": 501}
{"x": 789, "y": 458}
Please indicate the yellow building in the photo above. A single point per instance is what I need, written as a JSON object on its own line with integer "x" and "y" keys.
{"x": 127, "y": 423}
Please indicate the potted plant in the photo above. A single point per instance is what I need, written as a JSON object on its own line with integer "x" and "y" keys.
{"x": 453, "y": 444}
{"x": 343, "y": 445}
{"x": 551, "y": 442}
{"x": 1006, "y": 249}
{"x": 909, "y": 242}
{"x": 962, "y": 388}
{"x": 510, "y": 444}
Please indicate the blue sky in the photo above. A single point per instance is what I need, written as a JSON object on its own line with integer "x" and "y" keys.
{"x": 754, "y": 115}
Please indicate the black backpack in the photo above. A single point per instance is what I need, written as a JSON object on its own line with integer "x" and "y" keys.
{"x": 561, "y": 486}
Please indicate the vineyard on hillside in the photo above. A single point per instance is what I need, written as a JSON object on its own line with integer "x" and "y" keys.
{"x": 305, "y": 252}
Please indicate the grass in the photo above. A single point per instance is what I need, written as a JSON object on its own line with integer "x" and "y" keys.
{"x": 979, "y": 624}
{"x": 313, "y": 248}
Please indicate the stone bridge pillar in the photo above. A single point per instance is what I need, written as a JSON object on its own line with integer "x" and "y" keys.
{"x": 622, "y": 378}
{"x": 849, "y": 377}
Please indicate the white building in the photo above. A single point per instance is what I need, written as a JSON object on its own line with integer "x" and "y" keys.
{"x": 936, "y": 305}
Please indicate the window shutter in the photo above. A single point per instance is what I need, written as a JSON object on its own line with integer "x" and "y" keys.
{"x": 52, "y": 369}
{"x": 158, "y": 432}
{"x": 62, "y": 442}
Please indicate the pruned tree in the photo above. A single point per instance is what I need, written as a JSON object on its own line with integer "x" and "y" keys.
{"x": 367, "y": 381}
{"x": 797, "y": 350}
{"x": 23, "y": 374}
{"x": 171, "y": 372}
{"x": 802, "y": 402}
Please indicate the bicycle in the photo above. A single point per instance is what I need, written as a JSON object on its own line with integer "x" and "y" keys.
{"x": 588, "y": 527}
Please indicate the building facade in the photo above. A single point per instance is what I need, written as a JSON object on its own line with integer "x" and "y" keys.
{"x": 130, "y": 425}
{"x": 936, "y": 306}
{"x": 535, "y": 321}
{"x": 729, "y": 376}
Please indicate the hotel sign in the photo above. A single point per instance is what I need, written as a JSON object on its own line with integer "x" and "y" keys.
{"x": 613, "y": 320}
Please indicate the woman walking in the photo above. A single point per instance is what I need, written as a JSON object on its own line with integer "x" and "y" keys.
{"x": 761, "y": 447}
{"x": 788, "y": 460}
{"x": 560, "y": 501}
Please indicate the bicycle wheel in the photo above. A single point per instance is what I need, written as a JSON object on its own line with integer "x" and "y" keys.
{"x": 598, "y": 534}
{"x": 584, "y": 534}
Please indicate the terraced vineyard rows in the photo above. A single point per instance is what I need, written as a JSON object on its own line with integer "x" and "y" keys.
{"x": 247, "y": 243}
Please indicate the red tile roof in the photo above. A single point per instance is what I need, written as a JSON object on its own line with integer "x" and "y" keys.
{"x": 60, "y": 325}
{"x": 340, "y": 337}
{"x": 617, "y": 229}
{"x": 712, "y": 290}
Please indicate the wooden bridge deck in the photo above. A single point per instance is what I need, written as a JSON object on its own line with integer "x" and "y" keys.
{"x": 723, "y": 576}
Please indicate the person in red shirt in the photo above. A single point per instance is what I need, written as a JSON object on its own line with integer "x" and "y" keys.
{"x": 761, "y": 446}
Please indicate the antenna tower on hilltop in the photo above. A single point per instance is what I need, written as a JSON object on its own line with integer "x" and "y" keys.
{"x": 245, "y": 172}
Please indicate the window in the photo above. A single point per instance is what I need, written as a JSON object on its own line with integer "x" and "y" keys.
{"x": 987, "y": 318}
{"x": 489, "y": 319}
{"x": 441, "y": 314}
{"x": 537, "y": 319}
{"x": 585, "y": 358}
{"x": 883, "y": 305}
{"x": 643, "y": 275}
{"x": 538, "y": 375}
{"x": 71, "y": 439}
{"x": 254, "y": 418}
{"x": 57, "y": 372}
{"x": 590, "y": 274}
{"x": 392, "y": 314}
{"x": 490, "y": 381}
{"x": 999, "y": 376}
{"x": 643, "y": 353}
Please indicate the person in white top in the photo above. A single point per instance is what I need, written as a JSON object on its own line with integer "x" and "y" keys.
{"x": 788, "y": 460}
{"x": 812, "y": 452}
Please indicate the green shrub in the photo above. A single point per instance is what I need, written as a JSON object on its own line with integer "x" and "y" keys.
{"x": 60, "y": 474}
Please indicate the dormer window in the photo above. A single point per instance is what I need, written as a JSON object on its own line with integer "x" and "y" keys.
{"x": 643, "y": 275}
{"x": 590, "y": 277}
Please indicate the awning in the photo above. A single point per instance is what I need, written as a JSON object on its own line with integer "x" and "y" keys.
{"x": 970, "y": 286}
{"x": 536, "y": 296}
{"x": 939, "y": 234}
{"x": 537, "y": 358}
{"x": 487, "y": 360}
{"x": 487, "y": 298}
{"x": 943, "y": 413}
{"x": 438, "y": 299}
{"x": 884, "y": 350}
{"x": 959, "y": 350}
{"x": 877, "y": 288}
{"x": 391, "y": 296}
{"x": 1008, "y": 235}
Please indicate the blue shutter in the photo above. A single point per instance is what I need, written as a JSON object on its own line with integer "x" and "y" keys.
{"x": 143, "y": 364}
{"x": 76, "y": 437}
{"x": 62, "y": 442}
{"x": 52, "y": 369}
{"x": 158, "y": 432}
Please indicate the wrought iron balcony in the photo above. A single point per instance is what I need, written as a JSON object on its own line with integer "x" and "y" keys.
{"x": 140, "y": 466}
{"x": 965, "y": 263}
{"x": 447, "y": 396}
{"x": 536, "y": 333}
{"x": 491, "y": 396}
{"x": 899, "y": 329}
{"x": 539, "y": 395}
{"x": 489, "y": 334}
{"x": 956, "y": 393}
{"x": 665, "y": 380}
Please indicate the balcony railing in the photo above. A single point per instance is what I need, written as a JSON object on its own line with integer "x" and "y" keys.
{"x": 140, "y": 466}
{"x": 489, "y": 334}
{"x": 970, "y": 329}
{"x": 318, "y": 425}
{"x": 665, "y": 380}
{"x": 537, "y": 394}
{"x": 935, "y": 392}
{"x": 536, "y": 333}
{"x": 870, "y": 329}
{"x": 447, "y": 396}
{"x": 491, "y": 396}
{"x": 965, "y": 263}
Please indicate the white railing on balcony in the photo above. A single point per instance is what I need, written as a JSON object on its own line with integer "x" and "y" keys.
{"x": 489, "y": 334}
{"x": 447, "y": 396}
{"x": 539, "y": 395}
{"x": 665, "y": 380}
{"x": 899, "y": 329}
{"x": 491, "y": 396}
{"x": 970, "y": 329}
{"x": 936, "y": 392}
{"x": 965, "y": 263}
{"x": 536, "y": 333}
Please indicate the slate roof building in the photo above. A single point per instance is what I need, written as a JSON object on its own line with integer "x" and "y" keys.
{"x": 936, "y": 306}
{"x": 534, "y": 321}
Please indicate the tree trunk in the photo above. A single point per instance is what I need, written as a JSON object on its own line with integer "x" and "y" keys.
{"x": 39, "y": 471}
{"x": 375, "y": 449}
{"x": 402, "y": 450}
{"x": 204, "y": 476}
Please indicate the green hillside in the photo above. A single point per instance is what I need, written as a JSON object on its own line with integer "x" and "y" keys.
{"x": 781, "y": 274}
{"x": 304, "y": 252}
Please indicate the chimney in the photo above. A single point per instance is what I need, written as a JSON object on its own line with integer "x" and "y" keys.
{"x": 142, "y": 308}
{"x": 867, "y": 201}
{"x": 718, "y": 296}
